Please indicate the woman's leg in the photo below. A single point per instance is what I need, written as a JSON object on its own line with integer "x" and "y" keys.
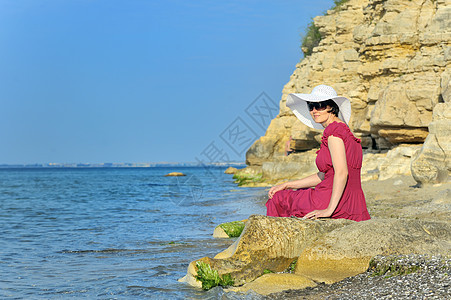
{"x": 279, "y": 204}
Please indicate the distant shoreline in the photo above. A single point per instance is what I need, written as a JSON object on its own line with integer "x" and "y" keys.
{"x": 119, "y": 165}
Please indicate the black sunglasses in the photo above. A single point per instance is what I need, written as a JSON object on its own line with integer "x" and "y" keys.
{"x": 316, "y": 105}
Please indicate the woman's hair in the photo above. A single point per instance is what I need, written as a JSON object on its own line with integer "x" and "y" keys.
{"x": 333, "y": 106}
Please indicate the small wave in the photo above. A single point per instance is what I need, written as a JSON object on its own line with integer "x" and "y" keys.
{"x": 149, "y": 288}
{"x": 109, "y": 250}
{"x": 65, "y": 292}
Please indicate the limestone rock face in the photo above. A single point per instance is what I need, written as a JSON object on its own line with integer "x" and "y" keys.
{"x": 393, "y": 163}
{"x": 347, "y": 251}
{"x": 273, "y": 142}
{"x": 390, "y": 57}
{"x": 432, "y": 164}
{"x": 296, "y": 165}
{"x": 376, "y": 166}
{"x": 261, "y": 150}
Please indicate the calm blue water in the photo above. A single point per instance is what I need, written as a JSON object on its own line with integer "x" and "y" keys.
{"x": 112, "y": 233}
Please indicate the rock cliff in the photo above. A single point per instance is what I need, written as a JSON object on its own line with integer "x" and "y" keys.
{"x": 391, "y": 58}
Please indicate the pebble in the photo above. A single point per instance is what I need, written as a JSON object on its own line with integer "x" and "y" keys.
{"x": 431, "y": 281}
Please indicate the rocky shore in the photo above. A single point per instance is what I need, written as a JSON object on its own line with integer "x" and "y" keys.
{"x": 325, "y": 258}
{"x": 424, "y": 277}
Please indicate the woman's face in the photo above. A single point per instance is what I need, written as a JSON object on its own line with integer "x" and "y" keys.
{"x": 319, "y": 113}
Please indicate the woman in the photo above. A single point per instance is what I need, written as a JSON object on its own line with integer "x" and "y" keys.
{"x": 337, "y": 189}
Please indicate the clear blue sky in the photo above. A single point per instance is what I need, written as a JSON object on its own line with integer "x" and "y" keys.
{"x": 138, "y": 80}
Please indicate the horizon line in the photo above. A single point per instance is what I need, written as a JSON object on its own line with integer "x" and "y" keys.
{"x": 120, "y": 164}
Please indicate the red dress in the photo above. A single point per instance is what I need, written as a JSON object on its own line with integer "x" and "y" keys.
{"x": 352, "y": 204}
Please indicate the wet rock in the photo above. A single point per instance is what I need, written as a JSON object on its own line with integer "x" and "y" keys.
{"x": 175, "y": 174}
{"x": 230, "y": 170}
{"x": 230, "y": 229}
{"x": 249, "y": 176}
{"x": 266, "y": 243}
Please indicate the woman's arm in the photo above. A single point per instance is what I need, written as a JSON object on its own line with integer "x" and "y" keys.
{"x": 338, "y": 154}
{"x": 309, "y": 181}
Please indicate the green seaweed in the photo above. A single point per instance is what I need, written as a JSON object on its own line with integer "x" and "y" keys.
{"x": 246, "y": 178}
{"x": 172, "y": 243}
{"x": 267, "y": 271}
{"x": 210, "y": 278}
{"x": 292, "y": 266}
{"x": 391, "y": 268}
{"x": 233, "y": 229}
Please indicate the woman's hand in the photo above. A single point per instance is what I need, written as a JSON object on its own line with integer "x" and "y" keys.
{"x": 324, "y": 213}
{"x": 275, "y": 189}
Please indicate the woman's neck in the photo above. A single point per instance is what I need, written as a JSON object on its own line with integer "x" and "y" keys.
{"x": 330, "y": 120}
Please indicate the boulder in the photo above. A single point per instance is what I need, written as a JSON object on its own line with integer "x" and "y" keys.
{"x": 273, "y": 143}
{"x": 175, "y": 174}
{"x": 293, "y": 166}
{"x": 347, "y": 251}
{"x": 249, "y": 176}
{"x": 265, "y": 243}
{"x": 230, "y": 170}
{"x": 230, "y": 229}
{"x": 274, "y": 283}
{"x": 432, "y": 163}
{"x": 387, "y": 165}
{"x": 370, "y": 165}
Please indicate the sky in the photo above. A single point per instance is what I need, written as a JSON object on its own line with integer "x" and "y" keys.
{"x": 92, "y": 81}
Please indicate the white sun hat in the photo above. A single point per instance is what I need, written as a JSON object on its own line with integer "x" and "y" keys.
{"x": 298, "y": 104}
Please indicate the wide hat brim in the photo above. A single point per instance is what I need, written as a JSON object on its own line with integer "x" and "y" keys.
{"x": 298, "y": 105}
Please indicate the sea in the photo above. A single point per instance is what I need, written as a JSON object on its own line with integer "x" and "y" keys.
{"x": 113, "y": 233}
